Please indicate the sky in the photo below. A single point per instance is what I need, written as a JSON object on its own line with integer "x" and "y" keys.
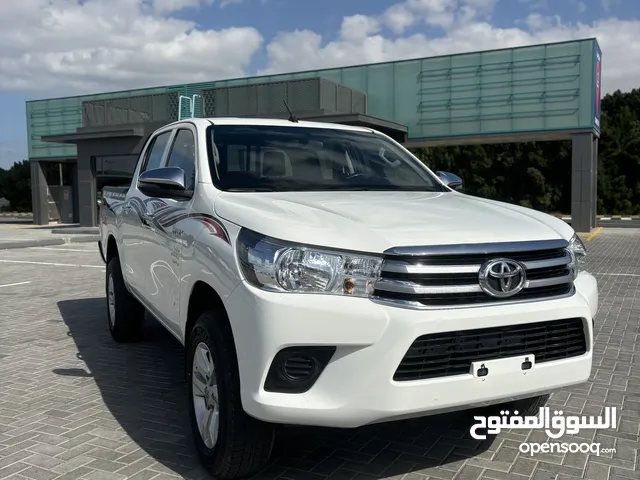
{"x": 52, "y": 48}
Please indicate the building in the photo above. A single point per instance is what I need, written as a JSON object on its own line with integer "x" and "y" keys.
{"x": 540, "y": 92}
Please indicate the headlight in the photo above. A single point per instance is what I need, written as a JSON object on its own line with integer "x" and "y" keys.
{"x": 578, "y": 252}
{"x": 279, "y": 266}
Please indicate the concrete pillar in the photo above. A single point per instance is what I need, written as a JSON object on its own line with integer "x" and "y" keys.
{"x": 594, "y": 211}
{"x": 584, "y": 156}
{"x": 86, "y": 182}
{"x": 39, "y": 194}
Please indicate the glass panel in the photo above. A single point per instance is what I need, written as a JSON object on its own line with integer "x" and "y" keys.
{"x": 183, "y": 155}
{"x": 116, "y": 165}
{"x": 267, "y": 158}
{"x": 525, "y": 89}
{"x": 154, "y": 157}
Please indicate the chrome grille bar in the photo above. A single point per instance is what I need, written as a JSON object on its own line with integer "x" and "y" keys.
{"x": 447, "y": 276}
{"x": 400, "y": 266}
{"x": 416, "y": 288}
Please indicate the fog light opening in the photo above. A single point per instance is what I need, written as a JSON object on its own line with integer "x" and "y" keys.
{"x": 296, "y": 369}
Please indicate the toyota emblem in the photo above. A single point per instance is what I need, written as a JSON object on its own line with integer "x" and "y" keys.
{"x": 502, "y": 277}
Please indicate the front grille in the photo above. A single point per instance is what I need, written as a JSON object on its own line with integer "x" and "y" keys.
{"x": 449, "y": 276}
{"x": 451, "y": 353}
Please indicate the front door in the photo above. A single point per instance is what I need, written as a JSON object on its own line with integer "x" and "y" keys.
{"x": 169, "y": 221}
{"x": 137, "y": 235}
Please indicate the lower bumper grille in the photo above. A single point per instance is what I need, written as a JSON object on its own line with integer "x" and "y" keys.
{"x": 451, "y": 353}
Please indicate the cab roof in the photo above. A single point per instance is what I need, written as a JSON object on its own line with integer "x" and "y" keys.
{"x": 275, "y": 122}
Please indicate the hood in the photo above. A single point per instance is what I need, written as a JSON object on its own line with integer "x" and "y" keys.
{"x": 376, "y": 221}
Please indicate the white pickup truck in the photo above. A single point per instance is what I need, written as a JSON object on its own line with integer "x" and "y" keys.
{"x": 320, "y": 274}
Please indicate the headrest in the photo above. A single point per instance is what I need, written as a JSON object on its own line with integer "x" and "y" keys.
{"x": 274, "y": 164}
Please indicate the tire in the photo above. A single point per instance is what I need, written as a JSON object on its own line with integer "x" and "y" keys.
{"x": 243, "y": 444}
{"x": 126, "y": 324}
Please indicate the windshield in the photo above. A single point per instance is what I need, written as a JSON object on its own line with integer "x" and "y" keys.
{"x": 277, "y": 158}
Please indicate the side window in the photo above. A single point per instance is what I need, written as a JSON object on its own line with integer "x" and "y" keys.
{"x": 155, "y": 151}
{"x": 183, "y": 155}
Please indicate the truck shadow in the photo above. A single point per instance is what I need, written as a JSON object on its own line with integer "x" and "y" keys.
{"x": 143, "y": 389}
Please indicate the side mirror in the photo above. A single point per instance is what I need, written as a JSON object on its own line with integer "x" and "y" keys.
{"x": 451, "y": 180}
{"x": 165, "y": 178}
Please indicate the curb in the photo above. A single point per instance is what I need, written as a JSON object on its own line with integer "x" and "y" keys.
{"x": 83, "y": 239}
{"x": 616, "y": 218}
{"x": 15, "y": 215}
{"x": 32, "y": 243}
{"x": 76, "y": 231}
{"x": 49, "y": 242}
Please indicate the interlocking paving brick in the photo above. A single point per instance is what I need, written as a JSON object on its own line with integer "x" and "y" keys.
{"x": 75, "y": 405}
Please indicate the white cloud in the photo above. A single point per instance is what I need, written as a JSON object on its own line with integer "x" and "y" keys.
{"x": 67, "y": 46}
{"x": 465, "y": 29}
{"x": 73, "y": 46}
{"x": 169, "y": 6}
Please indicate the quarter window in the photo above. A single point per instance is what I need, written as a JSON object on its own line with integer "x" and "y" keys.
{"x": 155, "y": 152}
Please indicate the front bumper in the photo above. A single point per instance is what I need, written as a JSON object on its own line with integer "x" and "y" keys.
{"x": 357, "y": 387}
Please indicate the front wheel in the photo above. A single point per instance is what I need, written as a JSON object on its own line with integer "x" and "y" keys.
{"x": 231, "y": 444}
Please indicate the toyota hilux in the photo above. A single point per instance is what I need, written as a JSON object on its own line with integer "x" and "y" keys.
{"x": 321, "y": 274}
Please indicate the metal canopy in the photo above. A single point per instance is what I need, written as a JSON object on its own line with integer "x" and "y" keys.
{"x": 94, "y": 134}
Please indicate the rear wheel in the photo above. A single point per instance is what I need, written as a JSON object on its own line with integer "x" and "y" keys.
{"x": 230, "y": 443}
{"x": 124, "y": 313}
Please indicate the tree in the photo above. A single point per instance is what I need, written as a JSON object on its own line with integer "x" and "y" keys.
{"x": 538, "y": 174}
{"x": 15, "y": 186}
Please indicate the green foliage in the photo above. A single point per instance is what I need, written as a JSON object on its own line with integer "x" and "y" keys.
{"x": 15, "y": 186}
{"x": 538, "y": 174}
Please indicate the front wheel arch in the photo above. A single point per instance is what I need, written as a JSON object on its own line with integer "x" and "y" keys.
{"x": 112, "y": 248}
{"x": 204, "y": 297}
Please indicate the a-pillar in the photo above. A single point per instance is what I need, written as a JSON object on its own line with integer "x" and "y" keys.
{"x": 584, "y": 174}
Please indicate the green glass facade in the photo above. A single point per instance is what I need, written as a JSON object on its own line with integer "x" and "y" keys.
{"x": 532, "y": 89}
{"x": 59, "y": 116}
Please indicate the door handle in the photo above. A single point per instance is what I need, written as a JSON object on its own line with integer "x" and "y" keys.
{"x": 126, "y": 208}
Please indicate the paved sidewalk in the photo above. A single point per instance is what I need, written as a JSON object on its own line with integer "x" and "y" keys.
{"x": 74, "y": 404}
{"x": 21, "y": 234}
